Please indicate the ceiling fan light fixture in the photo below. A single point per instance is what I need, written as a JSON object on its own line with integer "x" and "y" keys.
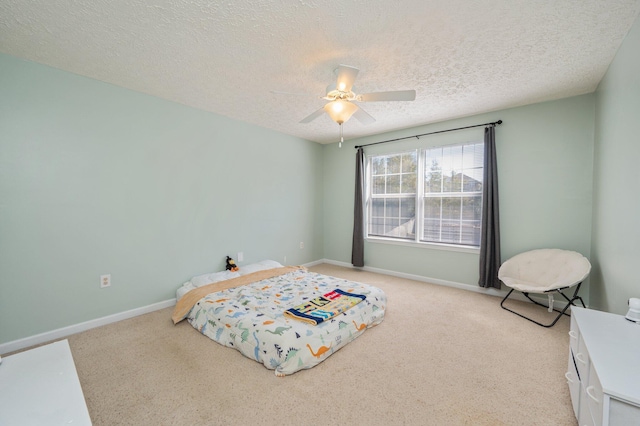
{"x": 340, "y": 111}
{"x": 341, "y": 99}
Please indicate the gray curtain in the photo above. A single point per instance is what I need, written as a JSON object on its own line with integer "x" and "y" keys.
{"x": 357, "y": 248}
{"x": 490, "y": 237}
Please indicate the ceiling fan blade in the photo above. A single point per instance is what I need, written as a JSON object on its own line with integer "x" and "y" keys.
{"x": 398, "y": 95}
{"x": 346, "y": 77}
{"x": 313, "y": 116}
{"x": 363, "y": 116}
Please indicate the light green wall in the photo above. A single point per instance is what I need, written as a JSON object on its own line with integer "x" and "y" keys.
{"x": 96, "y": 179}
{"x": 545, "y": 157}
{"x": 616, "y": 223}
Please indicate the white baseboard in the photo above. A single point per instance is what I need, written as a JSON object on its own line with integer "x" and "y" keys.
{"x": 488, "y": 291}
{"x": 314, "y": 263}
{"x": 48, "y": 336}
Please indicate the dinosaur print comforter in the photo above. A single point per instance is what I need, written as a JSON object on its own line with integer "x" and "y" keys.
{"x": 250, "y": 318}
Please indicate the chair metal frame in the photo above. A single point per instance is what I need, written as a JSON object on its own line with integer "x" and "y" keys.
{"x": 550, "y": 306}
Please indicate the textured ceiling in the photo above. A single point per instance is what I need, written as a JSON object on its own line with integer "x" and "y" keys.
{"x": 462, "y": 57}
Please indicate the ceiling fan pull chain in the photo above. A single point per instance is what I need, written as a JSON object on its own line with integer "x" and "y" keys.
{"x": 341, "y": 138}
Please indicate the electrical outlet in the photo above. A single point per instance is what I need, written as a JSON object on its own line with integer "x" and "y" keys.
{"x": 105, "y": 280}
{"x": 285, "y": 260}
{"x": 301, "y": 245}
{"x": 240, "y": 256}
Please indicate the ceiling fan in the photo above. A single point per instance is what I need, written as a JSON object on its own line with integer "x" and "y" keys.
{"x": 341, "y": 106}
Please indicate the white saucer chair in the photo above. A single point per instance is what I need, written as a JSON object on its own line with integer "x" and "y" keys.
{"x": 545, "y": 271}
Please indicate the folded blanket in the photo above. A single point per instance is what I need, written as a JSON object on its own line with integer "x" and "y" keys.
{"x": 324, "y": 307}
{"x": 186, "y": 302}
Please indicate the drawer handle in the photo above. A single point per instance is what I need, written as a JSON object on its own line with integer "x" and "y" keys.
{"x": 589, "y": 389}
{"x": 579, "y": 358}
{"x": 567, "y": 376}
{"x": 573, "y": 334}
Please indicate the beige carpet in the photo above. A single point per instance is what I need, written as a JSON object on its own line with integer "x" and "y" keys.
{"x": 442, "y": 356}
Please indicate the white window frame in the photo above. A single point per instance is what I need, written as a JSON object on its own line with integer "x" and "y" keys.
{"x": 419, "y": 196}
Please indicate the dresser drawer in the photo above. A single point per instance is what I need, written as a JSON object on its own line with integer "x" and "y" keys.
{"x": 584, "y": 416}
{"x": 581, "y": 355}
{"x": 595, "y": 395}
{"x": 574, "y": 383}
{"x": 574, "y": 335}
{"x": 622, "y": 413}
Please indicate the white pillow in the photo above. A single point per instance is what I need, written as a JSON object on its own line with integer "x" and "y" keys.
{"x": 213, "y": 277}
{"x": 259, "y": 266}
{"x": 186, "y": 287}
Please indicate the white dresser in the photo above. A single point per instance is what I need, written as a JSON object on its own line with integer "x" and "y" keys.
{"x": 41, "y": 387}
{"x": 604, "y": 368}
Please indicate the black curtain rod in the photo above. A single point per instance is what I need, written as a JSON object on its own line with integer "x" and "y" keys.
{"x": 495, "y": 123}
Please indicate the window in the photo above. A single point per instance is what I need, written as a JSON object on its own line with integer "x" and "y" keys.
{"x": 392, "y": 209}
{"x": 442, "y": 187}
